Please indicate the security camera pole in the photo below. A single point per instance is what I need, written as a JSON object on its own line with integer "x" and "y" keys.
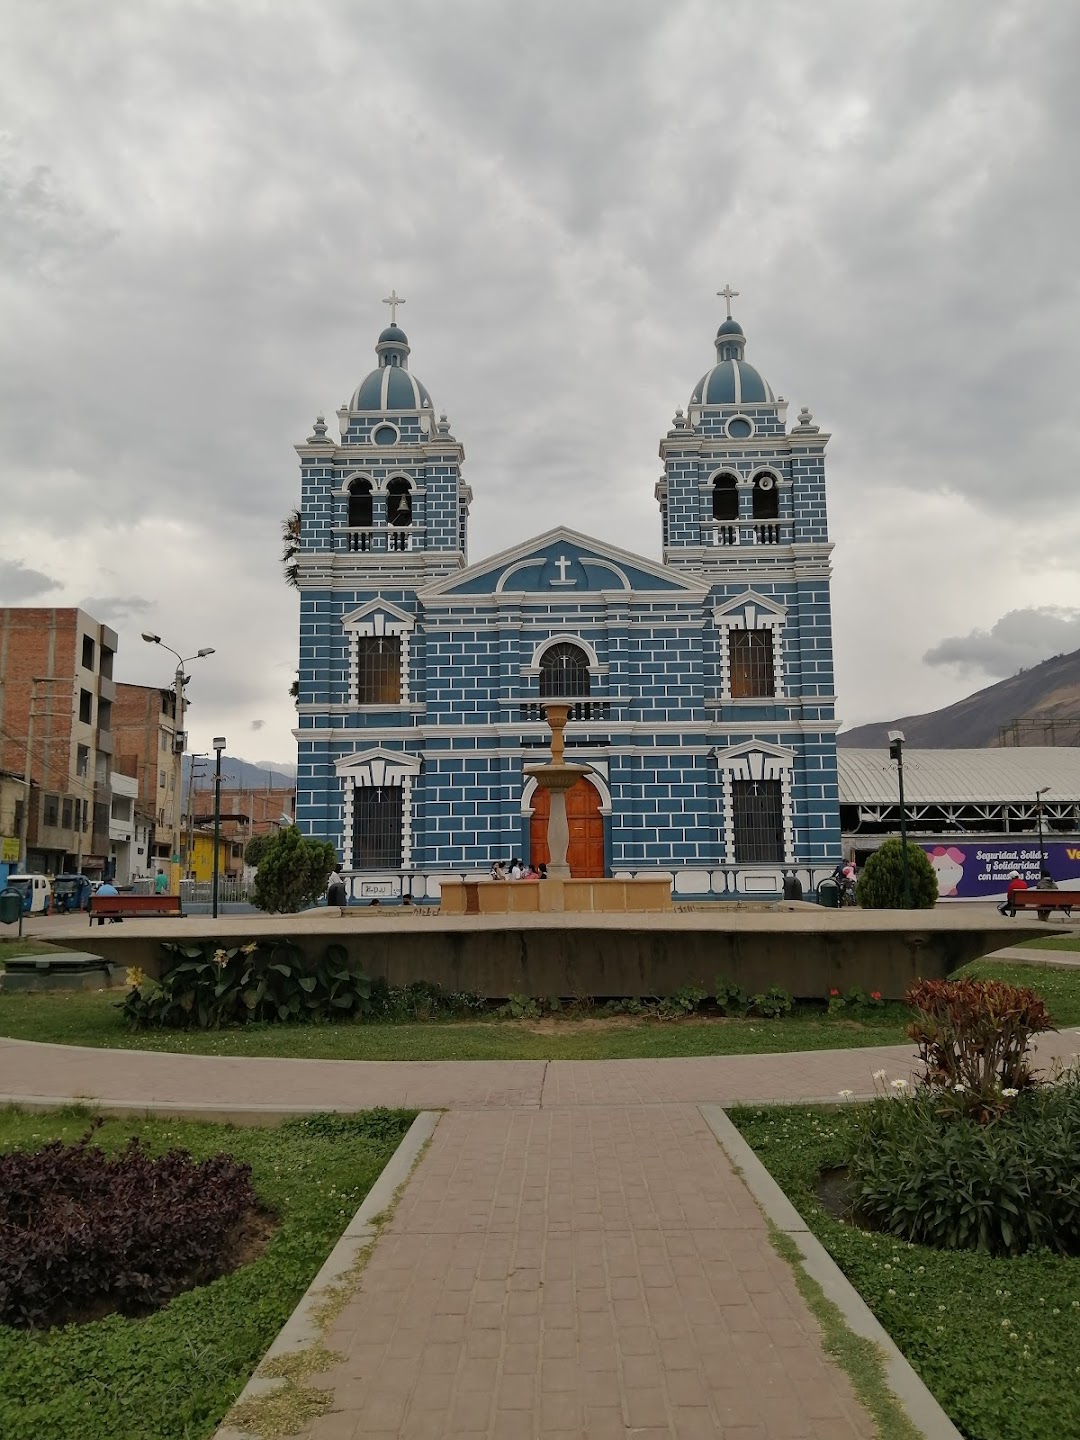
{"x": 219, "y": 746}
{"x": 896, "y": 752}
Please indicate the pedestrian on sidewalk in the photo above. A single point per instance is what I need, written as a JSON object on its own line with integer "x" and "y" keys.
{"x": 336, "y": 894}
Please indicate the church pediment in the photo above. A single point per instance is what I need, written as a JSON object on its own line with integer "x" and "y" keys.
{"x": 378, "y": 617}
{"x": 562, "y": 563}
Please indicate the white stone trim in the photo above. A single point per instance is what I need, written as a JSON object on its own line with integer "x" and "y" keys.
{"x": 757, "y": 760}
{"x": 597, "y": 780}
{"x": 374, "y": 768}
{"x": 751, "y": 612}
{"x": 377, "y": 617}
{"x": 563, "y": 638}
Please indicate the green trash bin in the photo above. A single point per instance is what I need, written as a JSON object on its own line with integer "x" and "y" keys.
{"x": 828, "y": 894}
{"x": 10, "y": 907}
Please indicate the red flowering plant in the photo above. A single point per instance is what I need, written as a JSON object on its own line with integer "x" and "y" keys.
{"x": 973, "y": 1038}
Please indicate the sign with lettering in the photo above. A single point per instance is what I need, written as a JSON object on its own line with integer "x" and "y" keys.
{"x": 980, "y": 870}
{"x": 9, "y": 849}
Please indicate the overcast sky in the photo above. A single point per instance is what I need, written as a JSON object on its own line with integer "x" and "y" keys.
{"x": 201, "y": 206}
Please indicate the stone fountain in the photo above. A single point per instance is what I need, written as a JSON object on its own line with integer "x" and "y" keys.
{"x": 557, "y": 776}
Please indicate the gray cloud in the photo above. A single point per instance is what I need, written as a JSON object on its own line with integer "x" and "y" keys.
{"x": 111, "y": 608}
{"x": 195, "y": 254}
{"x": 19, "y": 583}
{"x": 258, "y": 724}
{"x": 1018, "y": 640}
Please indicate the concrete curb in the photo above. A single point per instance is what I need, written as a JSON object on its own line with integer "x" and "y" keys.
{"x": 921, "y": 1407}
{"x": 301, "y": 1331}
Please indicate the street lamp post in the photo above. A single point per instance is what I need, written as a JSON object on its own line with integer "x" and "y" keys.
{"x": 1039, "y": 818}
{"x": 179, "y": 738}
{"x": 896, "y": 752}
{"x": 219, "y": 746}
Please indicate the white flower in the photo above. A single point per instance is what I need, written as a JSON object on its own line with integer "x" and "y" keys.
{"x": 880, "y": 1074}
{"x": 847, "y": 1094}
{"x": 898, "y": 1084}
{"x": 959, "y": 1087}
{"x": 1010, "y": 1093}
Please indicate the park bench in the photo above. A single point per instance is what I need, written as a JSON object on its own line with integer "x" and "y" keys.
{"x": 1047, "y": 900}
{"x": 120, "y": 907}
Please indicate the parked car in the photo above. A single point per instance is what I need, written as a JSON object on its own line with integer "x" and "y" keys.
{"x": 36, "y": 892}
{"x": 71, "y": 892}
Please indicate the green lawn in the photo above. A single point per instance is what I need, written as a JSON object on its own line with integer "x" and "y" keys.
{"x": 997, "y": 1341}
{"x": 1055, "y": 942}
{"x": 91, "y": 1018}
{"x": 173, "y": 1375}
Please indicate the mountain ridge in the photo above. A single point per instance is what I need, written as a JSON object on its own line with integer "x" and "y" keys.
{"x": 1047, "y": 691}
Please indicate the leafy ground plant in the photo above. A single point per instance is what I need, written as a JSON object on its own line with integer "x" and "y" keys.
{"x": 84, "y": 1233}
{"x": 174, "y": 1374}
{"x": 206, "y": 987}
{"x": 996, "y": 1340}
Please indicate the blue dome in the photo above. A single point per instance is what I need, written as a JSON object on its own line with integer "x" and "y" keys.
{"x": 732, "y": 382}
{"x": 730, "y": 327}
{"x": 393, "y": 332}
{"x": 390, "y": 389}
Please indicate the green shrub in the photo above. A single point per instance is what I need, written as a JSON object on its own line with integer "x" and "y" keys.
{"x": 293, "y": 871}
{"x": 207, "y": 987}
{"x": 256, "y": 849}
{"x": 881, "y": 884}
{"x": 773, "y": 1003}
{"x": 973, "y": 1038}
{"x": 731, "y": 999}
{"x": 928, "y": 1174}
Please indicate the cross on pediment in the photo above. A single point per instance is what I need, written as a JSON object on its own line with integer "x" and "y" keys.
{"x": 562, "y": 565}
{"x": 394, "y": 300}
{"x": 727, "y": 295}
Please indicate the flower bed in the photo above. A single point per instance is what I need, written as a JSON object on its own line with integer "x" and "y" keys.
{"x": 173, "y": 1374}
{"x": 997, "y": 1340}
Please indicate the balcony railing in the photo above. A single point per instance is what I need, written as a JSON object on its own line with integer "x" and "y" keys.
{"x": 381, "y": 539}
{"x": 533, "y": 710}
{"x": 759, "y": 532}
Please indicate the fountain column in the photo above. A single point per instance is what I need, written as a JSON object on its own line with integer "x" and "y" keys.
{"x": 556, "y": 777}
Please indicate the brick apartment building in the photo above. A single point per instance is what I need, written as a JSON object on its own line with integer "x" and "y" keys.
{"x": 144, "y": 731}
{"x": 245, "y": 810}
{"x": 56, "y": 709}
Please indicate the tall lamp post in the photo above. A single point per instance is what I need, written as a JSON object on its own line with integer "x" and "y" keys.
{"x": 1039, "y": 818}
{"x": 180, "y": 737}
{"x": 219, "y": 746}
{"x": 896, "y": 752}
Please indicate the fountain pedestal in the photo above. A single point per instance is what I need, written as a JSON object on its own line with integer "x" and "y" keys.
{"x": 557, "y": 776}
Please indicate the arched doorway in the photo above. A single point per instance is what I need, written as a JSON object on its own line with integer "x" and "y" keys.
{"x": 586, "y": 852}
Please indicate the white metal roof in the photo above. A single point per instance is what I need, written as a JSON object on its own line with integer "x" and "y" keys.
{"x": 997, "y": 776}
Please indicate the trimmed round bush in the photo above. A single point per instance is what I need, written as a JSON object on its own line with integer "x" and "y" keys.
{"x": 83, "y": 1233}
{"x": 881, "y": 884}
{"x": 925, "y": 1172}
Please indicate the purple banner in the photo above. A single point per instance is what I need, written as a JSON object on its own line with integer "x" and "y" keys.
{"x": 980, "y": 870}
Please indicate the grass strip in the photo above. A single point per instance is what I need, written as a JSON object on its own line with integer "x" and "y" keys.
{"x": 997, "y": 1341}
{"x": 175, "y": 1374}
{"x": 858, "y": 1357}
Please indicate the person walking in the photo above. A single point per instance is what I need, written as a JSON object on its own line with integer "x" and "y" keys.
{"x": 1008, "y": 905}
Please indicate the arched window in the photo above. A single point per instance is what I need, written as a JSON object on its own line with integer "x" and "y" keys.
{"x": 398, "y": 503}
{"x": 725, "y": 498}
{"x": 766, "y": 497}
{"x": 360, "y": 512}
{"x": 564, "y": 671}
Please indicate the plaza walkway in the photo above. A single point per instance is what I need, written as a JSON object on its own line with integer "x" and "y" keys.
{"x": 574, "y": 1258}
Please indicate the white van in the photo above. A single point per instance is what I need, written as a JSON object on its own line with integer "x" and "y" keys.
{"x": 36, "y": 892}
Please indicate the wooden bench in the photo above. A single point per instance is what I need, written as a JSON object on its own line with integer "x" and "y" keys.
{"x": 1045, "y": 900}
{"x": 119, "y": 907}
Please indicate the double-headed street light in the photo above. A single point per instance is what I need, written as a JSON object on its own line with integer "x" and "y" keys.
{"x": 180, "y": 737}
{"x": 896, "y": 752}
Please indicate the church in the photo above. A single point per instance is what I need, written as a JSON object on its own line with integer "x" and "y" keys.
{"x": 701, "y": 687}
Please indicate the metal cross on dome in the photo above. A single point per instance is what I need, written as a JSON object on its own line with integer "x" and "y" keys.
{"x": 394, "y": 300}
{"x": 727, "y": 295}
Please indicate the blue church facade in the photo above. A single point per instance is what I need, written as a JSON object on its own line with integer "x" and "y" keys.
{"x": 701, "y": 687}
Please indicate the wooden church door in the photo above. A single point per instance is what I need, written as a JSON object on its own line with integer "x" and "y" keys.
{"x": 586, "y": 852}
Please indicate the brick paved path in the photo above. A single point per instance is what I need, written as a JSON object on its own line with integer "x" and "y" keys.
{"x": 580, "y": 1274}
{"x": 61, "y": 1073}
